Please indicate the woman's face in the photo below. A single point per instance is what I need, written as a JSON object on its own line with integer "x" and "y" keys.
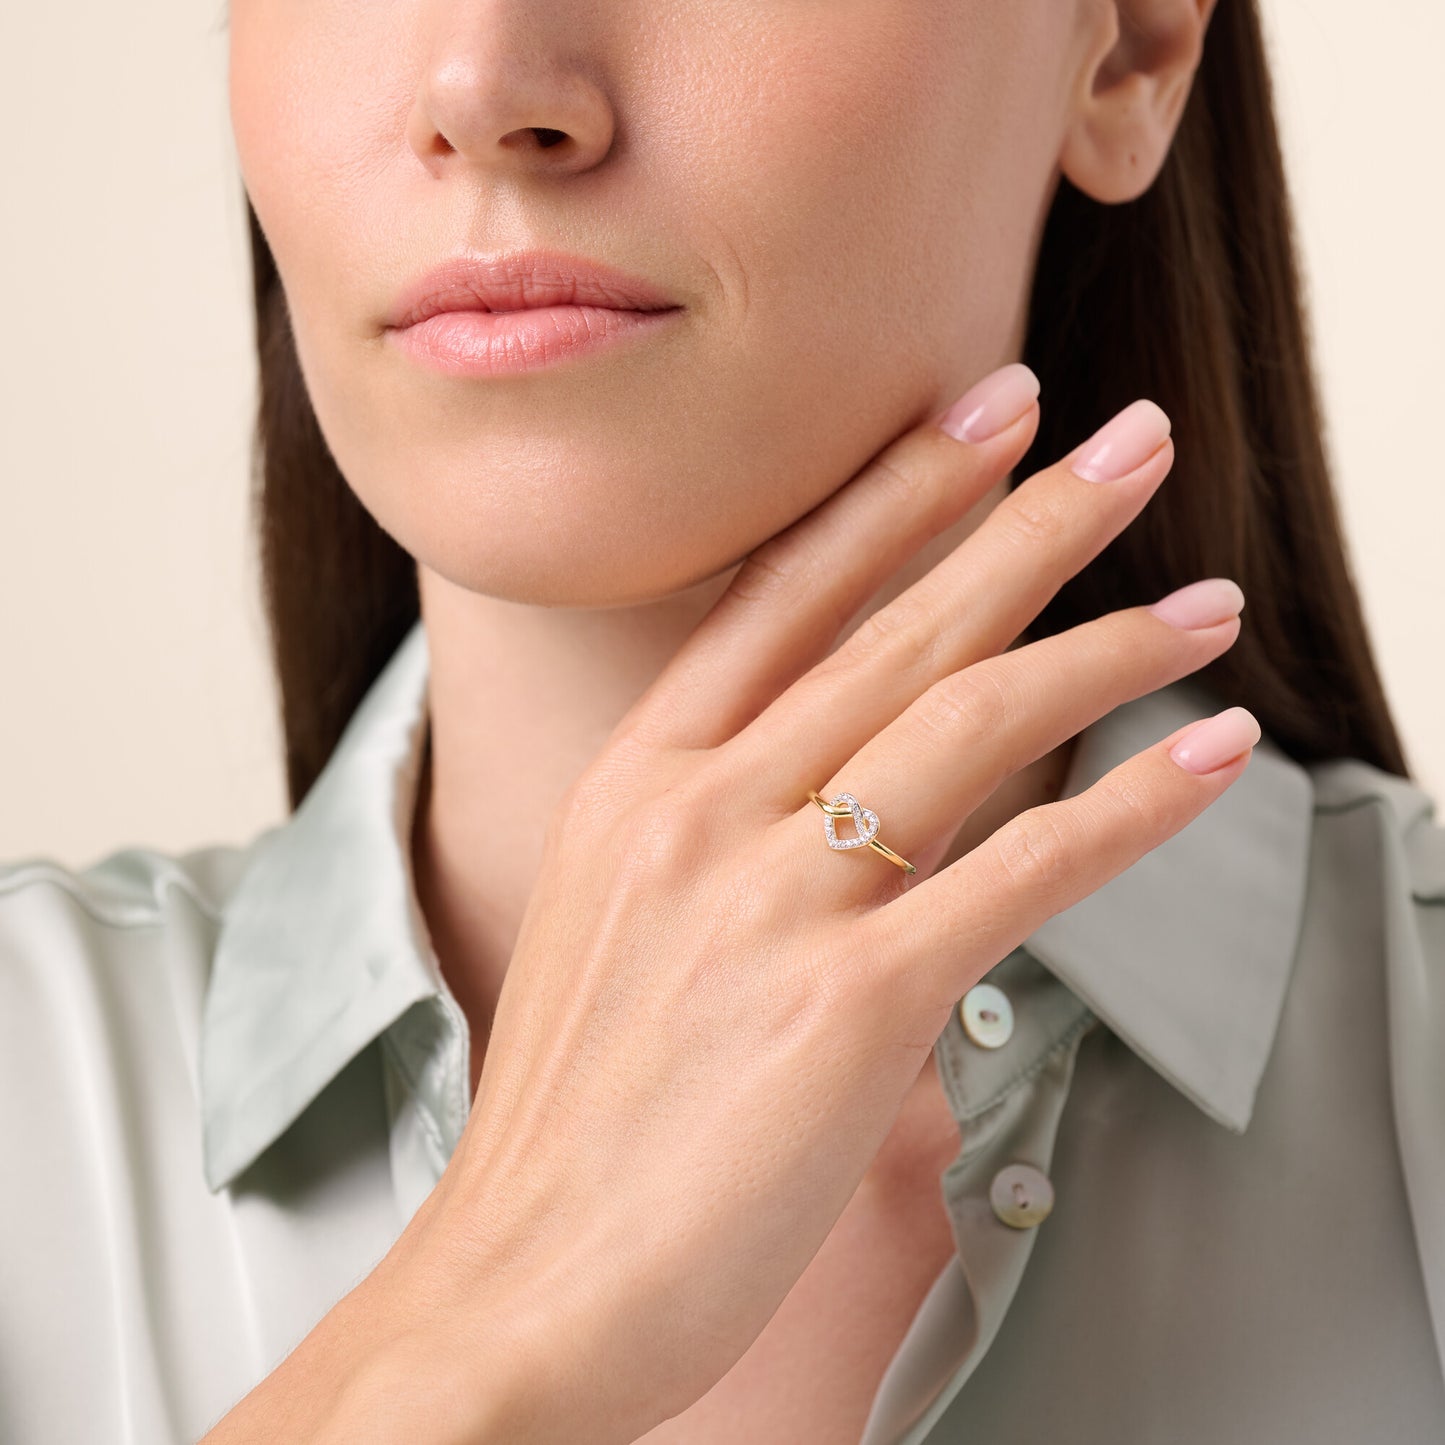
{"x": 843, "y": 195}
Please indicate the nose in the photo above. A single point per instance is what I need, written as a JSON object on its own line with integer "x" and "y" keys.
{"x": 508, "y": 86}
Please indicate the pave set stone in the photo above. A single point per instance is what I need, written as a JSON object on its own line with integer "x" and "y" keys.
{"x": 865, "y": 820}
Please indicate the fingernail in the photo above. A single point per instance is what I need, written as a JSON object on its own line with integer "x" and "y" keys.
{"x": 1210, "y": 744}
{"x": 990, "y": 405}
{"x": 1201, "y": 604}
{"x": 1125, "y": 440}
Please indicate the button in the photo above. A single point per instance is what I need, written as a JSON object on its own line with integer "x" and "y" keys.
{"x": 987, "y": 1015}
{"x": 1021, "y": 1195}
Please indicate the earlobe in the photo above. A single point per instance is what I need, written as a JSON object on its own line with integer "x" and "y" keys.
{"x": 1131, "y": 88}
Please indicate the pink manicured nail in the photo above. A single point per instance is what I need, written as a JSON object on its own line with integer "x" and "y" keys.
{"x": 1217, "y": 740}
{"x": 988, "y": 406}
{"x": 1201, "y": 604}
{"x": 1130, "y": 437}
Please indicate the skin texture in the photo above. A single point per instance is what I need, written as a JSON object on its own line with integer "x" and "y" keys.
{"x": 846, "y": 196}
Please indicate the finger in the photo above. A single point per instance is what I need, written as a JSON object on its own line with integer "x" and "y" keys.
{"x": 937, "y": 939}
{"x": 792, "y": 596}
{"x": 973, "y": 604}
{"x": 952, "y": 747}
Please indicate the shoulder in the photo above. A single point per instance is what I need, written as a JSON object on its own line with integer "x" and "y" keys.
{"x": 114, "y": 904}
{"x": 103, "y": 976}
{"x": 103, "y": 972}
{"x": 110, "y": 959}
{"x": 127, "y": 888}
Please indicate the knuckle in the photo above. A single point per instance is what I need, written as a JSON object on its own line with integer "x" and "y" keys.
{"x": 1034, "y": 518}
{"x": 975, "y": 700}
{"x": 779, "y": 567}
{"x": 796, "y": 561}
{"x": 663, "y": 832}
{"x": 591, "y": 795}
{"x": 1036, "y": 851}
{"x": 1144, "y": 809}
{"x": 660, "y": 836}
{"x": 1132, "y": 804}
{"x": 696, "y": 798}
{"x": 903, "y": 475}
{"x": 880, "y": 629}
{"x": 906, "y": 631}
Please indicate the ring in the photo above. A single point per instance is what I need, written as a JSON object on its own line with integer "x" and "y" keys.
{"x": 865, "y": 820}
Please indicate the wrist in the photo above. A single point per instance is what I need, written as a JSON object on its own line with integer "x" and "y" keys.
{"x": 420, "y": 1373}
{"x": 413, "y": 1391}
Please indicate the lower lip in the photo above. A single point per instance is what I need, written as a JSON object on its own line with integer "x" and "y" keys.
{"x": 502, "y": 343}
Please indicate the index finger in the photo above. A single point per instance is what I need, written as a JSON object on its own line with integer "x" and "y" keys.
{"x": 817, "y": 572}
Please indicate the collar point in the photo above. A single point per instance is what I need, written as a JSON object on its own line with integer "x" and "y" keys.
{"x": 218, "y": 1171}
{"x": 1233, "y": 1114}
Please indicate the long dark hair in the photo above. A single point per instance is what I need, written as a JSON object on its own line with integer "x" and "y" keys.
{"x": 1189, "y": 294}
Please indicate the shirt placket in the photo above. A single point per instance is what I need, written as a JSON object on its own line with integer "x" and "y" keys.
{"x": 425, "y": 1077}
{"x": 1005, "y": 1060}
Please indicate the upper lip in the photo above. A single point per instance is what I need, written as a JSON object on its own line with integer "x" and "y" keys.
{"x": 520, "y": 281}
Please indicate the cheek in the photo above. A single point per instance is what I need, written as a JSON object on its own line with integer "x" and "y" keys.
{"x": 875, "y": 188}
{"x": 315, "y": 90}
{"x": 848, "y": 192}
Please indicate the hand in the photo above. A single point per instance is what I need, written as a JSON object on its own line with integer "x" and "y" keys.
{"x": 711, "y": 1019}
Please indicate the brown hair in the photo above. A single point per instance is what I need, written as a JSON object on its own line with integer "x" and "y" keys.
{"x": 1189, "y": 294}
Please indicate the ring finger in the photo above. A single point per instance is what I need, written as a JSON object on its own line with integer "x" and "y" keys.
{"x": 952, "y": 747}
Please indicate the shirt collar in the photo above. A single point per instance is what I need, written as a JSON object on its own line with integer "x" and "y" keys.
{"x": 322, "y": 946}
{"x": 1187, "y": 954}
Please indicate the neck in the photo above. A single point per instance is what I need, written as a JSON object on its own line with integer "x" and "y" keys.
{"x": 521, "y": 698}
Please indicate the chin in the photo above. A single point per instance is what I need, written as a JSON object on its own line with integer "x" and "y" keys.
{"x": 556, "y": 567}
{"x": 535, "y": 528}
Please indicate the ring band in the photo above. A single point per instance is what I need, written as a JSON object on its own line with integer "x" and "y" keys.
{"x": 865, "y": 820}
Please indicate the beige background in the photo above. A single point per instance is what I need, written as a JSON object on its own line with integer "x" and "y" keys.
{"x": 136, "y": 705}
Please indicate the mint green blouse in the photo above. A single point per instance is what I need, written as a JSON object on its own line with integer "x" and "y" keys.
{"x": 229, "y": 1076}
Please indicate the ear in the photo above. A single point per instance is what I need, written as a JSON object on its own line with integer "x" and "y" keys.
{"x": 1131, "y": 88}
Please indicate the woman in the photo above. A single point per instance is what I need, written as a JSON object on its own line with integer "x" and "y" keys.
{"x": 809, "y": 913}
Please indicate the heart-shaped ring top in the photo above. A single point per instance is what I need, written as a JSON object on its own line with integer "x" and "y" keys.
{"x": 865, "y": 820}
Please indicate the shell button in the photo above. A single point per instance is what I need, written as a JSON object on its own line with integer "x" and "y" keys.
{"x": 987, "y": 1015}
{"x": 1021, "y": 1195}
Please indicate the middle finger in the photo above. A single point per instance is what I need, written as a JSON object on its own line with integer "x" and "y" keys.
{"x": 969, "y": 606}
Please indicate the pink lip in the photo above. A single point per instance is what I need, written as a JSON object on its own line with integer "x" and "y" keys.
{"x": 476, "y": 316}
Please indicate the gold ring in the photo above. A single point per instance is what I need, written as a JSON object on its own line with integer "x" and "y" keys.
{"x": 865, "y": 820}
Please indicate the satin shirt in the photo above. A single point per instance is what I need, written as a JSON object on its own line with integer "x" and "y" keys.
{"x": 1199, "y": 1194}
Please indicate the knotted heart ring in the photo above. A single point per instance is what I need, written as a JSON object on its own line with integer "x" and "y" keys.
{"x": 865, "y": 820}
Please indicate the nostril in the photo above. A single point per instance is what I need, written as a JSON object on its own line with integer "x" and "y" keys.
{"x": 546, "y": 137}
